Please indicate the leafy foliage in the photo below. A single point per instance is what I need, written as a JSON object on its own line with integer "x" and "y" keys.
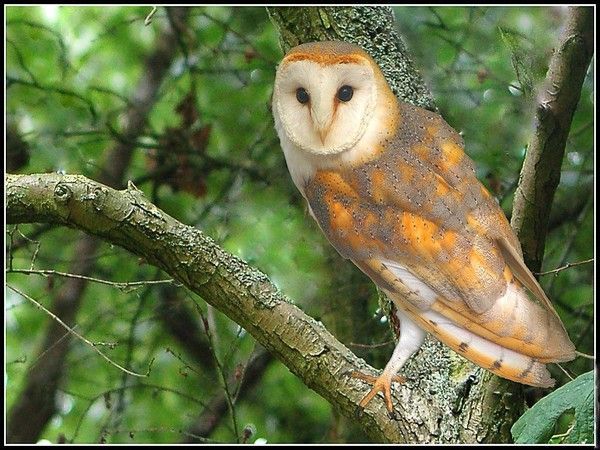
{"x": 214, "y": 162}
{"x": 520, "y": 60}
{"x": 537, "y": 425}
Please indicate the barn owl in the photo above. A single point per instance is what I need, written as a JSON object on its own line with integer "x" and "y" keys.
{"x": 391, "y": 188}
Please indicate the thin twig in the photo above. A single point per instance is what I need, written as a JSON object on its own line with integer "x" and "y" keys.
{"x": 59, "y": 90}
{"x": 64, "y": 59}
{"x": 21, "y": 61}
{"x": 182, "y": 361}
{"x": 562, "y": 436}
{"x": 566, "y": 266}
{"x": 148, "y": 19}
{"x": 584, "y": 355}
{"x": 239, "y": 35}
{"x": 221, "y": 372}
{"x": 565, "y": 372}
{"x": 10, "y": 247}
{"x": 132, "y": 432}
{"x": 567, "y": 244}
{"x": 108, "y": 392}
{"x": 116, "y": 414}
{"x": 120, "y": 285}
{"x": 73, "y": 332}
{"x": 48, "y": 350}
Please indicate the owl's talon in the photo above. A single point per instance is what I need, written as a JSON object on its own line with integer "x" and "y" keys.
{"x": 383, "y": 383}
{"x": 393, "y": 416}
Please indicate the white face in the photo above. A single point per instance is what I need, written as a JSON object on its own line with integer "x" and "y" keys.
{"x": 324, "y": 109}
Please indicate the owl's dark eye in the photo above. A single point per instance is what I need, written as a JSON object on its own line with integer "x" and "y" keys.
{"x": 302, "y": 96}
{"x": 345, "y": 93}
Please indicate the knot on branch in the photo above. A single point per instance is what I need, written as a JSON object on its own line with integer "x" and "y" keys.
{"x": 62, "y": 193}
{"x": 97, "y": 196}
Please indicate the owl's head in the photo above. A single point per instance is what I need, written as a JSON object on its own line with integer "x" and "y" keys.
{"x": 325, "y": 95}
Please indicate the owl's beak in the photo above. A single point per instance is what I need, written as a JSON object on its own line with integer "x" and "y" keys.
{"x": 322, "y": 119}
{"x": 323, "y": 134}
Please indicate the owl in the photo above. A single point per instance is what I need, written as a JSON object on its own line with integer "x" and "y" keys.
{"x": 392, "y": 189}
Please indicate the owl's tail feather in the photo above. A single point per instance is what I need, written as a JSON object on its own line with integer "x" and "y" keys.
{"x": 500, "y": 360}
{"x": 516, "y": 323}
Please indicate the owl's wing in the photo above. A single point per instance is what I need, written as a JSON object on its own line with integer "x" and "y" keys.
{"x": 418, "y": 217}
{"x": 504, "y": 357}
{"x": 515, "y": 262}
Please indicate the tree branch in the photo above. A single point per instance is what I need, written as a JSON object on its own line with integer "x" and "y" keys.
{"x": 244, "y": 294}
{"x": 559, "y": 96}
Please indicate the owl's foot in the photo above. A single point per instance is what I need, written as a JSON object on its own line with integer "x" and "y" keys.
{"x": 383, "y": 383}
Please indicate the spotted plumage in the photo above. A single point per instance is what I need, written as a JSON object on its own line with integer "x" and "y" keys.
{"x": 390, "y": 186}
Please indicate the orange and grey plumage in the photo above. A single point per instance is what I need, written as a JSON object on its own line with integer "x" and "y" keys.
{"x": 401, "y": 200}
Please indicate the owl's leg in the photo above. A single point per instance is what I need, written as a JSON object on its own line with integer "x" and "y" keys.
{"x": 411, "y": 338}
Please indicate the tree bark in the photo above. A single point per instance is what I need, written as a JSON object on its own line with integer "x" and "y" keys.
{"x": 558, "y": 100}
{"x": 35, "y": 406}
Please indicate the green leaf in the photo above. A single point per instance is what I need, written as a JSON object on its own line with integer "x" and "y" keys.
{"x": 537, "y": 424}
{"x": 520, "y": 59}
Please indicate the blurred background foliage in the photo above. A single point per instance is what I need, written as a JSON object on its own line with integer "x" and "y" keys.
{"x": 210, "y": 157}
